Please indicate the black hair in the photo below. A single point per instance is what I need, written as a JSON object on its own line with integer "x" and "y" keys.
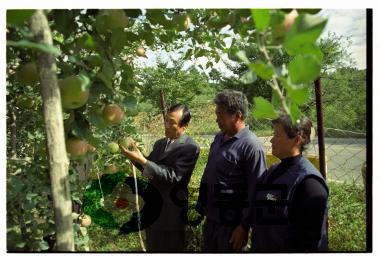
{"x": 185, "y": 119}
{"x": 301, "y": 127}
{"x": 233, "y": 102}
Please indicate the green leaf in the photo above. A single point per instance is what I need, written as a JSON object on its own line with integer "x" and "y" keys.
{"x": 261, "y": 18}
{"x": 309, "y": 10}
{"x": 127, "y": 72}
{"x": 248, "y": 77}
{"x": 106, "y": 79}
{"x": 85, "y": 81}
{"x": 76, "y": 60}
{"x": 118, "y": 40}
{"x": 108, "y": 69}
{"x": 127, "y": 85}
{"x": 76, "y": 199}
{"x": 243, "y": 57}
{"x": 148, "y": 37}
{"x": 217, "y": 58}
{"x": 188, "y": 54}
{"x": 278, "y": 32}
{"x": 59, "y": 38}
{"x": 30, "y": 136}
{"x": 106, "y": 74}
{"x": 100, "y": 23}
{"x": 298, "y": 95}
{"x": 217, "y": 22}
{"x": 94, "y": 60}
{"x": 64, "y": 21}
{"x": 304, "y": 69}
{"x": 155, "y": 16}
{"x": 133, "y": 13}
{"x": 129, "y": 102}
{"x": 86, "y": 41}
{"x": 30, "y": 196}
{"x": 43, "y": 245}
{"x": 263, "y": 70}
{"x": 276, "y": 100}
{"x": 200, "y": 52}
{"x": 93, "y": 141}
{"x": 295, "y": 112}
{"x": 131, "y": 37}
{"x": 96, "y": 119}
{"x": 165, "y": 38}
{"x": 305, "y": 30}
{"x": 38, "y": 46}
{"x": 20, "y": 244}
{"x": 18, "y": 17}
{"x": 80, "y": 127}
{"x": 310, "y": 49}
{"x": 98, "y": 88}
{"x": 263, "y": 109}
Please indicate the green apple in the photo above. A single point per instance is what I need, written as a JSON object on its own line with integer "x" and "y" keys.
{"x": 27, "y": 74}
{"x": 111, "y": 168}
{"x": 140, "y": 51}
{"x": 116, "y": 19}
{"x": 76, "y": 148}
{"x": 110, "y": 19}
{"x": 113, "y": 147}
{"x": 127, "y": 142}
{"x": 113, "y": 114}
{"x": 182, "y": 21}
{"x": 73, "y": 94}
{"x": 85, "y": 220}
{"x": 25, "y": 102}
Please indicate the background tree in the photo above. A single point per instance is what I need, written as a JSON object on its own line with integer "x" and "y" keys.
{"x": 179, "y": 85}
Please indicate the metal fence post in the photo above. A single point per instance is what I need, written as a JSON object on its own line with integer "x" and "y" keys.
{"x": 321, "y": 136}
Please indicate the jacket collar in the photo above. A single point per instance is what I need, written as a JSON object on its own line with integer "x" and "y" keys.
{"x": 177, "y": 142}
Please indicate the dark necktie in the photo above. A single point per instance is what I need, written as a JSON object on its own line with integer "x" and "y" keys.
{"x": 168, "y": 144}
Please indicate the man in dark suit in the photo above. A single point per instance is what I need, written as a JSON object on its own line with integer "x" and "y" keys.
{"x": 169, "y": 167}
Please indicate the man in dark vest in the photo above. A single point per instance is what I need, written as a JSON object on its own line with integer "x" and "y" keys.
{"x": 168, "y": 168}
{"x": 290, "y": 208}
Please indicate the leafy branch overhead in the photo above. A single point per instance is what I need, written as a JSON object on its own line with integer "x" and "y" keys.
{"x": 103, "y": 44}
{"x": 297, "y": 35}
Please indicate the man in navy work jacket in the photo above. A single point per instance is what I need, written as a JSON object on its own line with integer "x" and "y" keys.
{"x": 236, "y": 161}
{"x": 290, "y": 209}
{"x": 168, "y": 168}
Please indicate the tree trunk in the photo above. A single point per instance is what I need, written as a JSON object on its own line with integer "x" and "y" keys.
{"x": 57, "y": 157}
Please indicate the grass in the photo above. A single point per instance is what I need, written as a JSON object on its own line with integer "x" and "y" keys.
{"x": 347, "y": 217}
{"x": 109, "y": 240}
{"x": 347, "y": 225}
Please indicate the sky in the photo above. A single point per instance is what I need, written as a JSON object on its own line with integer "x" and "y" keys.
{"x": 349, "y": 23}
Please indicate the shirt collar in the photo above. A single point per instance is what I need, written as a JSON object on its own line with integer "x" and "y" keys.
{"x": 238, "y": 135}
{"x": 242, "y": 132}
